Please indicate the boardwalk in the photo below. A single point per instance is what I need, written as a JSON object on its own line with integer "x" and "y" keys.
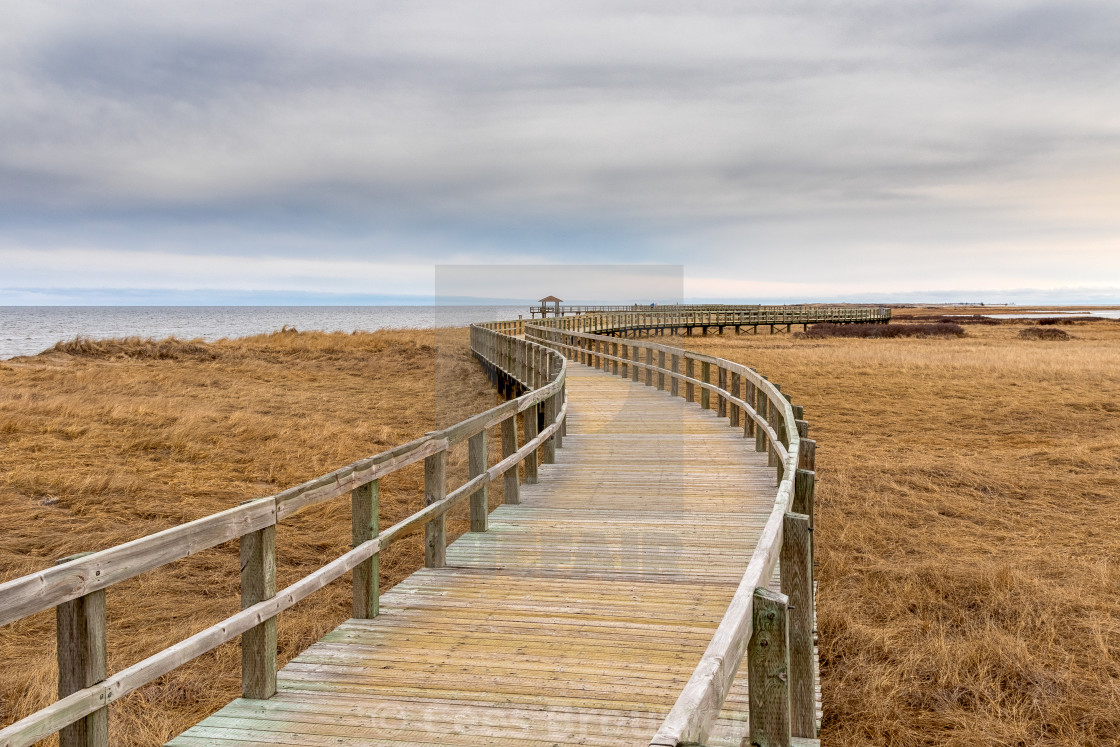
{"x": 576, "y": 619}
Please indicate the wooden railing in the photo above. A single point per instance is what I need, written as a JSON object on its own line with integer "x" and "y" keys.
{"x": 775, "y": 631}
{"x": 746, "y": 315}
{"x": 76, "y": 587}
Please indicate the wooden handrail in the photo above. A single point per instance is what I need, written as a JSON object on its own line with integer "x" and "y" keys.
{"x": 702, "y": 697}
{"x": 533, "y": 368}
{"x": 523, "y": 361}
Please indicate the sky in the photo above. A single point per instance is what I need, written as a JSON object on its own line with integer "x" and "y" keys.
{"x": 220, "y": 152}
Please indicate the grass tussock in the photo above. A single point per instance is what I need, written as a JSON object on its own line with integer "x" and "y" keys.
{"x": 1044, "y": 333}
{"x": 968, "y": 529}
{"x": 105, "y": 441}
{"x": 882, "y": 331}
{"x": 1069, "y": 320}
{"x": 948, "y": 319}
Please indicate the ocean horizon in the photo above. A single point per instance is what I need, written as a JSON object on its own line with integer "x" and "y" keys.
{"x": 28, "y": 330}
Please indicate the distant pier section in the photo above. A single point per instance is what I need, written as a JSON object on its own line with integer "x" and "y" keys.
{"x": 638, "y": 319}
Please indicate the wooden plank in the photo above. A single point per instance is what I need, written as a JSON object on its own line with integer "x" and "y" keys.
{"x": 796, "y": 566}
{"x": 768, "y": 670}
{"x": 88, "y": 573}
{"x": 476, "y": 457}
{"x": 45, "y": 722}
{"x": 529, "y": 425}
{"x": 435, "y": 490}
{"x": 365, "y": 520}
{"x": 258, "y": 644}
{"x": 734, "y": 388}
{"x": 509, "y": 448}
{"x": 705, "y": 377}
{"x": 82, "y": 662}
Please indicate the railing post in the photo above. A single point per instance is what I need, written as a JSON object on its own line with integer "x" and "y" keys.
{"x": 82, "y": 662}
{"x": 706, "y": 377}
{"x": 364, "y": 511}
{"x": 258, "y": 644}
{"x": 511, "y": 478}
{"x": 734, "y": 408}
{"x": 804, "y": 486}
{"x": 661, "y": 374}
{"x": 768, "y": 671}
{"x": 721, "y": 401}
{"x": 690, "y": 372}
{"x": 614, "y": 363}
{"x": 635, "y": 370}
{"x": 649, "y": 365}
{"x": 796, "y": 564}
{"x": 476, "y": 458}
{"x": 548, "y": 448}
{"x": 624, "y": 367}
{"x": 807, "y": 454}
{"x": 762, "y": 407}
{"x": 529, "y": 425}
{"x": 435, "y": 490}
{"x": 674, "y": 384}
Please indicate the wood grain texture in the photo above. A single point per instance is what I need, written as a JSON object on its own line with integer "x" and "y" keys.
{"x": 768, "y": 669}
{"x": 435, "y": 530}
{"x": 797, "y": 584}
{"x": 476, "y": 458}
{"x": 577, "y": 618}
{"x": 82, "y": 661}
{"x": 512, "y": 479}
{"x": 258, "y": 644}
{"x": 364, "y": 511}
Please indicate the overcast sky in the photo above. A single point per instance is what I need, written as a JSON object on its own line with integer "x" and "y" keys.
{"x": 294, "y": 150}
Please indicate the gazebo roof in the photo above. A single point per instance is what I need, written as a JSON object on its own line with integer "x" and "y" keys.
{"x": 551, "y": 299}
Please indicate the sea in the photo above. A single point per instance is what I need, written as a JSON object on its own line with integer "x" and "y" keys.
{"x": 27, "y": 330}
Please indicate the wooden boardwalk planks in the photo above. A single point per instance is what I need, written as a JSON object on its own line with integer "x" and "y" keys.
{"x": 575, "y": 619}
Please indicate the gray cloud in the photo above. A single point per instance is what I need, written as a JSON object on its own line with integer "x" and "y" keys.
{"x": 709, "y": 133}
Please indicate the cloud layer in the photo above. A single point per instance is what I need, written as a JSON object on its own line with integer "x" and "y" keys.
{"x": 864, "y": 146}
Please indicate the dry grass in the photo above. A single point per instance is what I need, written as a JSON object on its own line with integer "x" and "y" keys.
{"x": 968, "y": 532}
{"x": 967, "y": 503}
{"x": 102, "y": 442}
{"x": 1038, "y": 333}
{"x": 936, "y": 329}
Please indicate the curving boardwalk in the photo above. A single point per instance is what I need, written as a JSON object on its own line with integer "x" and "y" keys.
{"x": 577, "y": 618}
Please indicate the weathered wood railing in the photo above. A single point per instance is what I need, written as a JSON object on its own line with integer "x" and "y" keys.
{"x": 882, "y": 313}
{"x": 76, "y": 587}
{"x": 775, "y": 631}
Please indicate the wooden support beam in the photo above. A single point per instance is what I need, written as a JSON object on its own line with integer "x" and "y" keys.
{"x": 661, "y": 374}
{"x": 804, "y": 485}
{"x": 706, "y": 377}
{"x": 529, "y": 424}
{"x": 690, "y": 373}
{"x": 476, "y": 458}
{"x": 734, "y": 388}
{"x": 807, "y": 454}
{"x": 435, "y": 530}
{"x": 796, "y": 565}
{"x": 512, "y": 479}
{"x": 721, "y": 382}
{"x": 761, "y": 406}
{"x": 768, "y": 671}
{"x": 751, "y": 396}
{"x": 649, "y": 363}
{"x": 674, "y": 384}
{"x": 548, "y": 448}
{"x": 258, "y": 644}
{"x": 364, "y": 510}
{"x": 82, "y": 661}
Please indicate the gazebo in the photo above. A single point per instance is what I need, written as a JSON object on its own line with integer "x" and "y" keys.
{"x": 555, "y": 306}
